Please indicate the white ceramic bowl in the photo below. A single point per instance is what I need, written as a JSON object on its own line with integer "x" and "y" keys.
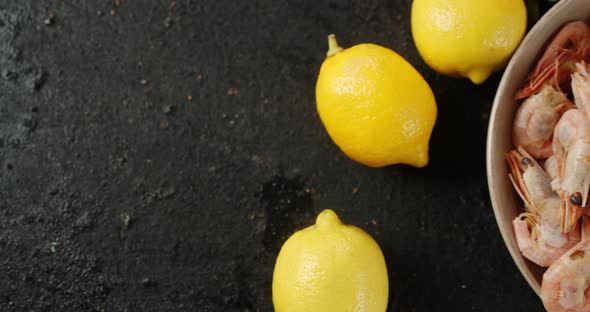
{"x": 505, "y": 201}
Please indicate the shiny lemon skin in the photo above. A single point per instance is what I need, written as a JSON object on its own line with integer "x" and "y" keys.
{"x": 375, "y": 106}
{"x": 468, "y": 38}
{"x": 330, "y": 266}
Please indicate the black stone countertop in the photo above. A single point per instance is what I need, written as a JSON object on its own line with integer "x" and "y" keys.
{"x": 154, "y": 156}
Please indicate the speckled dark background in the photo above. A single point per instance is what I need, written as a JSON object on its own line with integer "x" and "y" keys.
{"x": 154, "y": 157}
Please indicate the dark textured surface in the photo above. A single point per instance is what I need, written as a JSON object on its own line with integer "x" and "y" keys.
{"x": 118, "y": 193}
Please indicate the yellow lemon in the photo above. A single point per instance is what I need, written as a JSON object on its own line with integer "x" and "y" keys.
{"x": 375, "y": 106}
{"x": 468, "y": 38}
{"x": 330, "y": 266}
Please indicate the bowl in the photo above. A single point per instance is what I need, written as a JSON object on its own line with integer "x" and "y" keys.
{"x": 505, "y": 201}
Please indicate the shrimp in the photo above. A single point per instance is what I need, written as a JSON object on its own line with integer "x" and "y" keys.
{"x": 571, "y": 148}
{"x": 538, "y": 233}
{"x": 535, "y": 121}
{"x": 565, "y": 283}
{"x": 570, "y": 45}
{"x": 581, "y": 88}
{"x": 552, "y": 168}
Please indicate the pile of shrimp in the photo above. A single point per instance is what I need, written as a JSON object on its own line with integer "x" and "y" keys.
{"x": 550, "y": 169}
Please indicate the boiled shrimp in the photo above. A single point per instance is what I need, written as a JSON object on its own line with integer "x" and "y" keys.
{"x": 571, "y": 149}
{"x": 554, "y": 130}
{"x": 552, "y": 168}
{"x": 581, "y": 88}
{"x": 571, "y": 144}
{"x": 535, "y": 121}
{"x": 538, "y": 232}
{"x": 570, "y": 45}
{"x": 566, "y": 283}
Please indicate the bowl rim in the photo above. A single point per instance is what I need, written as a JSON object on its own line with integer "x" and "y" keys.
{"x": 537, "y": 28}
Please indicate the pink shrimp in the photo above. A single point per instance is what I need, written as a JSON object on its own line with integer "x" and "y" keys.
{"x": 552, "y": 167}
{"x": 565, "y": 284}
{"x": 535, "y": 121}
{"x": 538, "y": 233}
{"x": 571, "y": 148}
{"x": 581, "y": 88}
{"x": 570, "y": 45}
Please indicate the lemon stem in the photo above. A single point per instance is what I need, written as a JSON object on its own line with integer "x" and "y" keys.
{"x": 327, "y": 218}
{"x": 333, "y": 47}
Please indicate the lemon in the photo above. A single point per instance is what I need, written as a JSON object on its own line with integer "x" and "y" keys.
{"x": 330, "y": 266}
{"x": 375, "y": 106}
{"x": 468, "y": 38}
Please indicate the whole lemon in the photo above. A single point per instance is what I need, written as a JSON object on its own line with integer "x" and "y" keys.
{"x": 468, "y": 38}
{"x": 375, "y": 106}
{"x": 330, "y": 266}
